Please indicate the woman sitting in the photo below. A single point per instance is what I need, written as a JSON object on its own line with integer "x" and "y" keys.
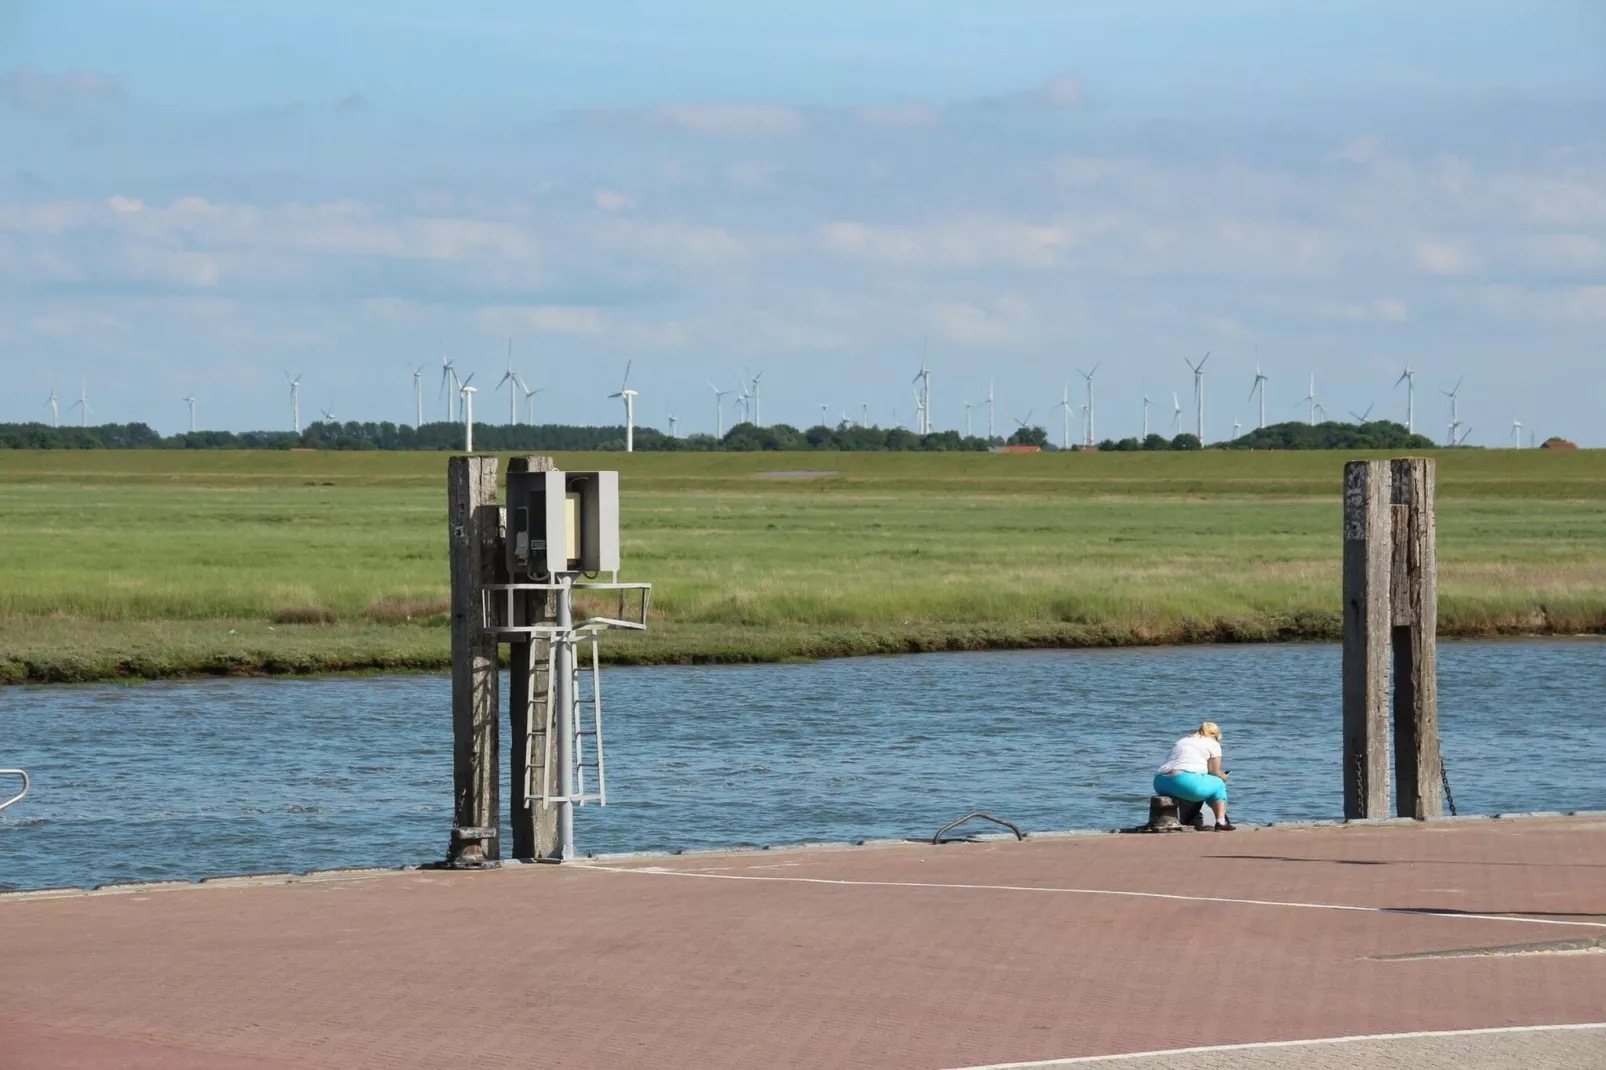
{"x": 1193, "y": 773}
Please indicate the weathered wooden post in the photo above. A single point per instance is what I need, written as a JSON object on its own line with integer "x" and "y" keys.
{"x": 1414, "y": 620}
{"x": 534, "y": 827}
{"x": 473, "y": 523}
{"x": 1390, "y": 608}
{"x": 1368, "y": 542}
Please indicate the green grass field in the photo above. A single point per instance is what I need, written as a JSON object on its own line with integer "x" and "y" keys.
{"x": 135, "y": 563}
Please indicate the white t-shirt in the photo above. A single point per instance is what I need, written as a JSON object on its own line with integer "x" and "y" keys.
{"x": 1192, "y": 754}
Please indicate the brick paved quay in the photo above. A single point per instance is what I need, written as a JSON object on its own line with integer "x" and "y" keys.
{"x": 910, "y": 956}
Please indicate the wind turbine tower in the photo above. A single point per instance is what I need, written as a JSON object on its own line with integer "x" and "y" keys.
{"x": 1455, "y": 411}
{"x": 1310, "y": 399}
{"x": 82, "y": 403}
{"x": 510, "y": 379}
{"x": 468, "y": 393}
{"x": 451, "y": 389}
{"x": 529, "y": 401}
{"x": 1146, "y": 404}
{"x": 295, "y": 402}
{"x": 1176, "y": 413}
{"x": 54, "y": 401}
{"x": 1089, "y": 377}
{"x": 923, "y": 397}
{"x": 1261, "y": 379}
{"x": 1198, "y": 392}
{"x": 1408, "y": 377}
{"x": 758, "y": 413}
{"x": 1516, "y": 433}
{"x": 418, "y": 396}
{"x": 629, "y": 397}
{"x": 671, "y": 425}
{"x": 719, "y": 410}
{"x": 191, "y": 400}
{"x": 992, "y": 431}
{"x": 1065, "y": 417}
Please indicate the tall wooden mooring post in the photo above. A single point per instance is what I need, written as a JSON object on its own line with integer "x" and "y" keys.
{"x": 514, "y": 571}
{"x": 1390, "y": 616}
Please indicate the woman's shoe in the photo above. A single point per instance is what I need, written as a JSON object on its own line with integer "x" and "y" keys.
{"x": 1225, "y": 826}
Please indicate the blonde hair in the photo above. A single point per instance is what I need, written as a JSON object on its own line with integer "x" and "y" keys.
{"x": 1211, "y": 729}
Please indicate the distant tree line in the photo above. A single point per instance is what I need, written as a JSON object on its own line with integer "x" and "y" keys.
{"x": 369, "y": 435}
{"x": 743, "y": 438}
{"x": 1332, "y": 435}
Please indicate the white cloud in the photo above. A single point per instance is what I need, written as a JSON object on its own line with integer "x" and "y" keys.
{"x": 735, "y": 120}
{"x": 909, "y": 116}
{"x": 612, "y": 200}
{"x": 540, "y": 319}
{"x": 41, "y": 93}
{"x": 1442, "y": 257}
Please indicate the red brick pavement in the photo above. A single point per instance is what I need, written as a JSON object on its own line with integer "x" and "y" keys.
{"x": 637, "y": 963}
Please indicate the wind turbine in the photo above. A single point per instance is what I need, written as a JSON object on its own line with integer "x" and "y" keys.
{"x": 1237, "y": 426}
{"x": 418, "y": 395}
{"x": 1455, "y": 412}
{"x": 823, "y": 416}
{"x": 1065, "y": 417}
{"x": 864, "y": 415}
{"x": 1516, "y": 433}
{"x": 55, "y": 407}
{"x": 1176, "y": 413}
{"x": 1146, "y": 404}
{"x": 719, "y": 410}
{"x": 1198, "y": 391}
{"x": 1360, "y": 417}
{"x": 1089, "y": 377}
{"x": 758, "y": 413}
{"x": 1020, "y": 425}
{"x": 1261, "y": 380}
{"x": 968, "y": 406}
{"x": 671, "y": 425}
{"x": 923, "y": 399}
{"x": 991, "y": 432}
{"x": 82, "y": 402}
{"x": 1310, "y": 399}
{"x": 1408, "y": 377}
{"x": 468, "y": 393}
{"x": 295, "y": 401}
{"x": 629, "y": 397}
{"x": 191, "y": 400}
{"x": 529, "y": 401}
{"x": 328, "y": 416}
{"x": 450, "y": 387}
{"x": 510, "y": 379}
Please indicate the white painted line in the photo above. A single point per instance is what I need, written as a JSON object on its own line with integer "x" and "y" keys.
{"x": 1047, "y": 1064}
{"x": 664, "y": 871}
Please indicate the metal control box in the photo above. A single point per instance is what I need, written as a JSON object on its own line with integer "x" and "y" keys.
{"x": 562, "y": 522}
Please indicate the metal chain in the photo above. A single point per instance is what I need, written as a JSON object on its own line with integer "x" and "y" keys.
{"x": 1444, "y": 778}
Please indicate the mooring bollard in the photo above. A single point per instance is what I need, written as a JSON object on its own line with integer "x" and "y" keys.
{"x": 1163, "y": 815}
{"x": 1390, "y": 613}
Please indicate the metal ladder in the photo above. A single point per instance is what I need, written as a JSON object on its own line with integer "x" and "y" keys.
{"x": 582, "y": 699}
{"x": 542, "y": 734}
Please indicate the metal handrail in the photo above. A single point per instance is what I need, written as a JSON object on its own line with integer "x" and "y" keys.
{"x": 17, "y": 797}
{"x": 1010, "y": 825}
{"x": 493, "y": 593}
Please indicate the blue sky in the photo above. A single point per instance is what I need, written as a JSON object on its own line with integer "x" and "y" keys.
{"x": 200, "y": 196}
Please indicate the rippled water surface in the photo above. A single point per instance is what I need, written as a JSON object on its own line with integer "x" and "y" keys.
{"x": 226, "y": 776}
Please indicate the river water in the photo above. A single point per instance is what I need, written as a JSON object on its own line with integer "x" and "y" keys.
{"x": 184, "y": 780}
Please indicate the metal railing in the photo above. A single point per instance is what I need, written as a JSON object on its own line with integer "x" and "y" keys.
{"x": 19, "y": 795}
{"x": 498, "y": 617}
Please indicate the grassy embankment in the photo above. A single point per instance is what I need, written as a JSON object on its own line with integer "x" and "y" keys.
{"x": 165, "y": 563}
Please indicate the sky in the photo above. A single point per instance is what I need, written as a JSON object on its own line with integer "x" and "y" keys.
{"x": 198, "y": 197}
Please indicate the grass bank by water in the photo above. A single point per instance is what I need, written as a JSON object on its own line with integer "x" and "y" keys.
{"x": 151, "y": 564}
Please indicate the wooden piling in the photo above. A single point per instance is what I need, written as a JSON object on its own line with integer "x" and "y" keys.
{"x": 533, "y": 827}
{"x": 1414, "y": 622}
{"x": 1368, "y": 541}
{"x": 475, "y": 540}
